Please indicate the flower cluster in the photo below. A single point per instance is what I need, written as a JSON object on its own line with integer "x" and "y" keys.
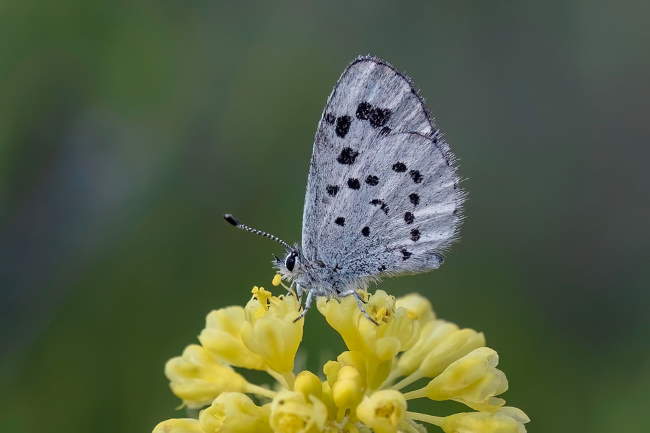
{"x": 409, "y": 355}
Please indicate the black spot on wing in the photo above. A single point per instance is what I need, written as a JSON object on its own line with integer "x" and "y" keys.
{"x": 354, "y": 183}
{"x": 409, "y": 218}
{"x": 416, "y": 176}
{"x": 382, "y": 268}
{"x": 399, "y": 167}
{"x": 405, "y": 253}
{"x": 414, "y": 199}
{"x": 378, "y": 202}
{"x": 385, "y": 131}
{"x": 330, "y": 118}
{"x": 379, "y": 116}
{"x": 347, "y": 156}
{"x": 365, "y": 231}
{"x": 372, "y": 180}
{"x": 415, "y": 235}
{"x": 363, "y": 110}
{"x": 340, "y": 221}
{"x": 343, "y": 126}
{"x": 332, "y": 190}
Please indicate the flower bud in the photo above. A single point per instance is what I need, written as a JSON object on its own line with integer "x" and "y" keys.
{"x": 178, "y": 425}
{"x": 448, "y": 349}
{"x": 348, "y": 388}
{"x": 506, "y": 420}
{"x": 473, "y": 378}
{"x": 197, "y": 377}
{"x": 417, "y": 306}
{"x": 430, "y": 337}
{"x": 308, "y": 384}
{"x": 233, "y": 412}
{"x": 331, "y": 370}
{"x": 353, "y": 358}
{"x": 222, "y": 337}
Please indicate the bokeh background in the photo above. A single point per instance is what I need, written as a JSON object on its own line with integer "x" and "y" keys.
{"x": 128, "y": 128}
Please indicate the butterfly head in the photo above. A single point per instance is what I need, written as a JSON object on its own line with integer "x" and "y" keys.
{"x": 290, "y": 261}
{"x": 291, "y": 265}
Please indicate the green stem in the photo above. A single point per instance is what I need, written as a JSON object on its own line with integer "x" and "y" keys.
{"x": 409, "y": 427}
{"x": 418, "y": 393}
{"x": 278, "y": 377}
{"x": 416, "y": 375}
{"x": 430, "y": 419}
{"x": 290, "y": 378}
{"x": 394, "y": 374}
{"x": 255, "y": 389}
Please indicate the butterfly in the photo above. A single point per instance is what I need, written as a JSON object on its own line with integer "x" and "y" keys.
{"x": 382, "y": 194}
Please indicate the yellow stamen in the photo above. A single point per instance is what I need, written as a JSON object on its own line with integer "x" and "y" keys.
{"x": 263, "y": 296}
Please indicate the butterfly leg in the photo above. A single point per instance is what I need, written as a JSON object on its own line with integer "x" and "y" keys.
{"x": 360, "y": 302}
{"x": 308, "y": 302}
{"x": 295, "y": 290}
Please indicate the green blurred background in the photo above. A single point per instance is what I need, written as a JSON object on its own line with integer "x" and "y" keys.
{"x": 128, "y": 128}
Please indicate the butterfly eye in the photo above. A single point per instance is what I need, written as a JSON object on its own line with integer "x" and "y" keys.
{"x": 290, "y": 261}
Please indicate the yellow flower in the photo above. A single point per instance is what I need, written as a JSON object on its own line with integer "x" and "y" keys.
{"x": 383, "y": 411}
{"x": 197, "y": 378}
{"x": 179, "y": 425}
{"x": 473, "y": 379}
{"x": 379, "y": 344}
{"x": 233, "y": 412}
{"x": 343, "y": 316}
{"x": 417, "y": 306}
{"x": 362, "y": 390}
{"x": 222, "y": 337}
{"x": 292, "y": 412}
{"x": 440, "y": 343}
{"x": 506, "y": 420}
{"x": 450, "y": 348}
{"x": 271, "y": 332}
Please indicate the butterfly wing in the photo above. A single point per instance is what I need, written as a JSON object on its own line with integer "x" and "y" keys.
{"x": 382, "y": 195}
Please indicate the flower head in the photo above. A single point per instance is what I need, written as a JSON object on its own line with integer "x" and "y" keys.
{"x": 293, "y": 412}
{"x": 383, "y": 411}
{"x": 366, "y": 388}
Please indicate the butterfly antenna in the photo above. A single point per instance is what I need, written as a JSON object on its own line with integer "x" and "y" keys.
{"x": 232, "y": 220}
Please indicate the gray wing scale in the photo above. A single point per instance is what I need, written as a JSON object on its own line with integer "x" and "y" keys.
{"x": 382, "y": 195}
